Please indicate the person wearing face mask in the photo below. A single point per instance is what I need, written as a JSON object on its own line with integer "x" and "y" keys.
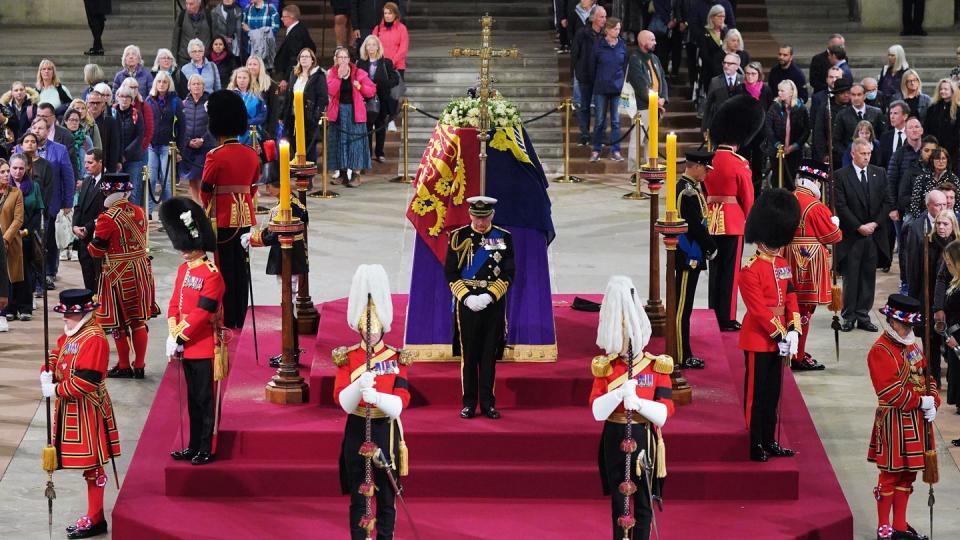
{"x": 908, "y": 400}
{"x": 380, "y": 383}
{"x": 872, "y": 95}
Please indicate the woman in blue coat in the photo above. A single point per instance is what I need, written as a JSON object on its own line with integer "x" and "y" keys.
{"x": 609, "y": 65}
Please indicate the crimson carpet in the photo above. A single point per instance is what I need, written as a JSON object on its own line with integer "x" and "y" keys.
{"x": 531, "y": 474}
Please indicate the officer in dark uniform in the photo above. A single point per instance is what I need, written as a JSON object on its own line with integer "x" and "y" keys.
{"x": 695, "y": 247}
{"x": 299, "y": 267}
{"x": 479, "y": 268}
{"x": 231, "y": 174}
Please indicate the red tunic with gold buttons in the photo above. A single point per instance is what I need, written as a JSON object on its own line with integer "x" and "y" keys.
{"x": 808, "y": 255}
{"x": 652, "y": 383}
{"x": 729, "y": 189}
{"x": 197, "y": 293}
{"x": 896, "y": 370}
{"x": 389, "y": 364}
{"x": 126, "y": 292}
{"x": 766, "y": 286}
{"x": 85, "y": 432}
{"x": 230, "y": 176}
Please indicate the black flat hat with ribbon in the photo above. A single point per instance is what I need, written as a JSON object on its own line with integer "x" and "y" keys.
{"x": 115, "y": 183}
{"x": 76, "y": 302}
{"x": 903, "y": 308}
{"x": 814, "y": 170}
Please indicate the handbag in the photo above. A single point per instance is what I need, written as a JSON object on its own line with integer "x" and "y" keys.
{"x": 399, "y": 90}
{"x": 373, "y": 106}
{"x": 63, "y": 231}
{"x": 628, "y": 97}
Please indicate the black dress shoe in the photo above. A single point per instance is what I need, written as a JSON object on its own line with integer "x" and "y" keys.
{"x": 775, "y": 450}
{"x": 139, "y": 373}
{"x": 807, "y": 364}
{"x": 847, "y": 326}
{"x": 492, "y": 413}
{"x": 117, "y": 372}
{"x": 732, "y": 326}
{"x": 468, "y": 412}
{"x": 757, "y": 453}
{"x": 202, "y": 458}
{"x": 907, "y": 535}
{"x": 88, "y": 532}
{"x": 94, "y": 52}
{"x": 693, "y": 363}
{"x": 867, "y": 325}
{"x": 275, "y": 360}
{"x": 183, "y": 455}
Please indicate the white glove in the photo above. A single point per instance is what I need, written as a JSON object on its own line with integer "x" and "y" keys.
{"x": 46, "y": 384}
{"x": 835, "y": 220}
{"x": 793, "y": 339}
{"x": 631, "y": 402}
{"x": 371, "y": 396}
{"x": 487, "y": 300}
{"x": 930, "y": 414}
{"x": 784, "y": 348}
{"x": 474, "y": 303}
{"x": 366, "y": 379}
{"x": 172, "y": 346}
{"x": 629, "y": 388}
{"x": 245, "y": 241}
{"x": 927, "y": 403}
{"x": 46, "y": 377}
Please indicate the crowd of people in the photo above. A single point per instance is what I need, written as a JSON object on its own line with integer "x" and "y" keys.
{"x": 53, "y": 141}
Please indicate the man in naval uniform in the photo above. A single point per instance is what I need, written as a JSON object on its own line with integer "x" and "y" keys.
{"x": 479, "y": 268}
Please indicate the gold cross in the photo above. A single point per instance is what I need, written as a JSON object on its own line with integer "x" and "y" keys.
{"x": 485, "y": 53}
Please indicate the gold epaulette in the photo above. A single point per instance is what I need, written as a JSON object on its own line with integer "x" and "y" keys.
{"x": 662, "y": 363}
{"x": 212, "y": 266}
{"x": 749, "y": 261}
{"x": 601, "y": 365}
{"x": 295, "y": 201}
{"x": 501, "y": 229}
{"x": 406, "y": 357}
{"x": 339, "y": 355}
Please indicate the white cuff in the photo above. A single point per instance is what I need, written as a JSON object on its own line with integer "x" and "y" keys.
{"x": 390, "y": 404}
{"x": 604, "y": 405}
{"x": 350, "y": 397}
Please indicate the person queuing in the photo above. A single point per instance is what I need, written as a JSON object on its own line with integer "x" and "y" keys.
{"x": 314, "y": 83}
{"x": 198, "y": 65}
{"x": 753, "y": 86}
{"x": 88, "y": 123}
{"x": 941, "y": 121}
{"x": 192, "y": 23}
{"x": 107, "y": 126}
{"x": 581, "y": 53}
{"x": 227, "y": 21}
{"x": 132, "y": 66}
{"x": 371, "y": 374}
{"x": 296, "y": 40}
{"x": 20, "y": 301}
{"x": 608, "y": 63}
{"x": 395, "y": 39}
{"x": 75, "y": 379}
{"x": 19, "y": 106}
{"x": 935, "y": 172}
{"x": 132, "y": 127}
{"x": 384, "y": 75}
{"x": 194, "y": 140}
{"x": 947, "y": 316}
{"x": 49, "y": 87}
{"x": 645, "y": 74}
{"x": 165, "y": 61}
{"x": 198, "y": 291}
{"x": 786, "y": 127}
{"x": 809, "y": 255}
{"x": 269, "y": 92}
{"x": 224, "y": 60}
{"x": 167, "y": 111}
{"x": 85, "y": 214}
{"x": 348, "y": 150}
{"x": 479, "y": 268}
{"x": 11, "y": 221}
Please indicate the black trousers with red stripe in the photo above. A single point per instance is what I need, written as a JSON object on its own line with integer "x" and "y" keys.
{"x": 761, "y": 390}
{"x": 724, "y": 273}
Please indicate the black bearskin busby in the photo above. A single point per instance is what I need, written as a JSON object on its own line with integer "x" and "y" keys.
{"x": 187, "y": 225}
{"x": 737, "y": 121}
{"x": 773, "y": 219}
{"x": 227, "y": 113}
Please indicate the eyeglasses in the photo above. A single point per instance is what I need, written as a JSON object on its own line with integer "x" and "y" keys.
{"x": 913, "y": 81}
{"x": 731, "y": 64}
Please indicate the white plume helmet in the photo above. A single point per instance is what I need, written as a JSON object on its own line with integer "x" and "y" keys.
{"x": 621, "y": 317}
{"x": 370, "y": 279}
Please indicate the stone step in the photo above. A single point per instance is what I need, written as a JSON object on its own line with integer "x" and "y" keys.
{"x": 496, "y": 9}
{"x": 543, "y": 92}
{"x": 468, "y": 78}
{"x": 447, "y": 62}
{"x": 444, "y": 22}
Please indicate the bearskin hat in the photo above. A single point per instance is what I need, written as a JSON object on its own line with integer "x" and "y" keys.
{"x": 737, "y": 121}
{"x": 187, "y": 225}
{"x": 773, "y": 219}
{"x": 227, "y": 113}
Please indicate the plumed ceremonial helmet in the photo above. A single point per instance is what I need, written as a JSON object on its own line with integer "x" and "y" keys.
{"x": 773, "y": 219}
{"x": 737, "y": 121}
{"x": 370, "y": 285}
{"x": 227, "y": 114}
{"x": 187, "y": 225}
{"x": 622, "y": 320}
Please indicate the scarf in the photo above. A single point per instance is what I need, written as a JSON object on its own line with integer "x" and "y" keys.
{"x": 753, "y": 88}
{"x": 26, "y": 186}
{"x": 218, "y": 57}
{"x": 388, "y": 25}
{"x": 79, "y": 136}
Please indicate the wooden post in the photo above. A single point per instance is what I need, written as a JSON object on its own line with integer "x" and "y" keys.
{"x": 308, "y": 319}
{"x": 653, "y": 173}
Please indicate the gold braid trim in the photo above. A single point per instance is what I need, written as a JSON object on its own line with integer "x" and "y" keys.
{"x": 662, "y": 363}
{"x": 339, "y": 356}
{"x": 600, "y": 367}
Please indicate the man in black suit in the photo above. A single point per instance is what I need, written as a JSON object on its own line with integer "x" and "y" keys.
{"x": 896, "y": 134}
{"x": 862, "y": 203}
{"x": 846, "y": 120}
{"x": 107, "y": 124}
{"x": 820, "y": 63}
{"x": 297, "y": 38}
{"x": 89, "y": 206}
{"x": 722, "y": 87}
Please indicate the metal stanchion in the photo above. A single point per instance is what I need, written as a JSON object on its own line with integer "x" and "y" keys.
{"x": 567, "y": 178}
{"x": 640, "y": 174}
{"x": 146, "y": 206}
{"x": 404, "y": 178}
{"x": 172, "y": 164}
{"x": 324, "y": 193}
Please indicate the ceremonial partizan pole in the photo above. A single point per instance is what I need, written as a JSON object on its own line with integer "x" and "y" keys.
{"x": 146, "y": 207}
{"x": 49, "y": 454}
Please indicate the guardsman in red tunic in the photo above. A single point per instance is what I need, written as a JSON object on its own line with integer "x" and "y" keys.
{"x": 644, "y": 396}
{"x": 809, "y": 254}
{"x": 192, "y": 318}
{"x": 371, "y": 374}
{"x": 908, "y": 399}
{"x": 230, "y": 176}
{"x": 771, "y": 326}
{"x": 729, "y": 188}
{"x": 127, "y": 294}
{"x": 85, "y": 433}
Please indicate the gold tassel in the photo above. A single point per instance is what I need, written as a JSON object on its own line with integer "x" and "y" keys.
{"x": 836, "y": 298}
{"x": 404, "y": 459}
{"x": 49, "y": 458}
{"x": 661, "y": 457}
{"x": 931, "y": 470}
{"x": 221, "y": 363}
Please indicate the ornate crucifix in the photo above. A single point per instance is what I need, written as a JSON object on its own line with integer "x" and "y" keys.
{"x": 485, "y": 53}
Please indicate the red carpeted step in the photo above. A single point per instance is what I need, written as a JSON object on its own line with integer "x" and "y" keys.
{"x": 775, "y": 480}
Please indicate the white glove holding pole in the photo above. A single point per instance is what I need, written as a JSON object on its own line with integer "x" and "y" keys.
{"x": 930, "y": 414}
{"x": 835, "y": 220}
{"x": 474, "y": 302}
{"x": 245, "y": 241}
{"x": 793, "y": 340}
{"x": 366, "y": 380}
{"x": 46, "y": 384}
{"x": 632, "y": 403}
{"x": 604, "y": 405}
{"x": 349, "y": 397}
{"x": 784, "y": 348}
{"x": 172, "y": 346}
{"x": 389, "y": 404}
{"x": 628, "y": 388}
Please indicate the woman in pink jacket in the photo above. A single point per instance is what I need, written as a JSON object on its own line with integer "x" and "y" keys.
{"x": 393, "y": 35}
{"x": 349, "y": 88}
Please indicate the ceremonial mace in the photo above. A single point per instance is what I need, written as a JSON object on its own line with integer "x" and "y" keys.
{"x": 628, "y": 446}
{"x": 48, "y": 457}
{"x": 369, "y": 448}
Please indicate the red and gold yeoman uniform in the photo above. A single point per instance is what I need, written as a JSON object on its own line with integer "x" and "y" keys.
{"x": 808, "y": 255}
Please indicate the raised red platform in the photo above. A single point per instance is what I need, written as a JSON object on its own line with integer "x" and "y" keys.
{"x": 532, "y": 473}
